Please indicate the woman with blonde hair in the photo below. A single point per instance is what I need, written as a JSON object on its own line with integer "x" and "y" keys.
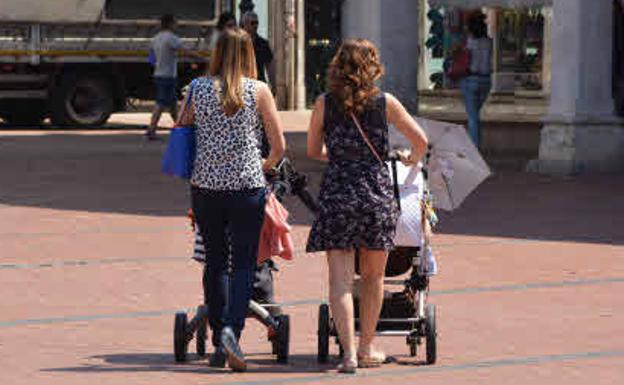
{"x": 358, "y": 211}
{"x": 228, "y": 108}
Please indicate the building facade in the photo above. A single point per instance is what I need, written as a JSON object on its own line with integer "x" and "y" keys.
{"x": 581, "y": 131}
{"x": 563, "y": 49}
{"x": 521, "y": 39}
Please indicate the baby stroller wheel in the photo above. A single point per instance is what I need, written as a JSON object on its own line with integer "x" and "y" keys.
{"x": 431, "y": 334}
{"x": 323, "y": 334}
{"x": 274, "y": 345}
{"x": 413, "y": 346}
{"x": 202, "y": 334}
{"x": 179, "y": 337}
{"x": 283, "y": 338}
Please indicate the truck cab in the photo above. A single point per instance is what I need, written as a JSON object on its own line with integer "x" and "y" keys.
{"x": 78, "y": 61}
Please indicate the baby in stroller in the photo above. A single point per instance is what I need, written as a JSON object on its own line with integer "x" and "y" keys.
{"x": 284, "y": 180}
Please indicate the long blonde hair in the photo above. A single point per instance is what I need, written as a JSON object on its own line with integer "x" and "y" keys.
{"x": 233, "y": 59}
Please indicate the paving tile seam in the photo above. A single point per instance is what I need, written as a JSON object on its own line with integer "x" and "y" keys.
{"x": 460, "y": 291}
{"x": 128, "y": 230}
{"x": 86, "y": 262}
{"x": 489, "y": 364}
{"x": 74, "y": 263}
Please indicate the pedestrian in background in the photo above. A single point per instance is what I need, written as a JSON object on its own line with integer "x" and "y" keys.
{"x": 475, "y": 87}
{"x": 357, "y": 208}
{"x": 228, "y": 109}
{"x": 226, "y": 20}
{"x": 264, "y": 54}
{"x": 165, "y": 47}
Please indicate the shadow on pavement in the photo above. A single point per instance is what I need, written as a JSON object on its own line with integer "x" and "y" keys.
{"x": 95, "y": 172}
{"x": 51, "y": 128}
{"x": 118, "y": 172}
{"x": 531, "y": 206}
{"x": 161, "y": 362}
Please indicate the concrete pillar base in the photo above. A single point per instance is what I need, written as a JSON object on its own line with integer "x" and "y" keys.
{"x": 588, "y": 145}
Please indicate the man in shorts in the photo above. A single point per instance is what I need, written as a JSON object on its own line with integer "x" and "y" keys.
{"x": 164, "y": 50}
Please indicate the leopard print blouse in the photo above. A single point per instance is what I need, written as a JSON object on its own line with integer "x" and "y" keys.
{"x": 228, "y": 147}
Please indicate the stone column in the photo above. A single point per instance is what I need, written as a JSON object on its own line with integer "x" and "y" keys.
{"x": 394, "y": 29}
{"x": 547, "y": 13}
{"x": 301, "y": 44}
{"x": 424, "y": 58}
{"x": 581, "y": 132}
{"x": 279, "y": 42}
{"x": 492, "y": 22}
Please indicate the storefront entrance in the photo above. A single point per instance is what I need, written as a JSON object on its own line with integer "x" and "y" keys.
{"x": 519, "y": 50}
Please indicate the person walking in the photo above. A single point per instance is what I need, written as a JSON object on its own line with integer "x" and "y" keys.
{"x": 228, "y": 108}
{"x": 264, "y": 54}
{"x": 475, "y": 87}
{"x": 357, "y": 208}
{"x": 165, "y": 47}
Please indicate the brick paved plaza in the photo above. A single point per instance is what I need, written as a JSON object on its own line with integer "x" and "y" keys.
{"x": 94, "y": 262}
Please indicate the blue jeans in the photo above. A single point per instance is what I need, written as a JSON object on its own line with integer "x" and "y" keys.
{"x": 475, "y": 90}
{"x": 231, "y": 264}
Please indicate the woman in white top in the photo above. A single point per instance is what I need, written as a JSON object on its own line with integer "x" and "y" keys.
{"x": 228, "y": 108}
{"x": 476, "y": 86}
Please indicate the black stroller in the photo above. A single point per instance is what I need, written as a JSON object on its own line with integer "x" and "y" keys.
{"x": 404, "y": 313}
{"x": 283, "y": 181}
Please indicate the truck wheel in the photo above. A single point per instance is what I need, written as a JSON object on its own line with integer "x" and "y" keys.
{"x": 23, "y": 112}
{"x": 81, "y": 100}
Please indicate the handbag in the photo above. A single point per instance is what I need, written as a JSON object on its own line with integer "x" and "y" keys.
{"x": 179, "y": 156}
{"x": 408, "y": 185}
{"x": 460, "y": 63}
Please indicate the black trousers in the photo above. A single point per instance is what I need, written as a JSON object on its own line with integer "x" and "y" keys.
{"x": 230, "y": 265}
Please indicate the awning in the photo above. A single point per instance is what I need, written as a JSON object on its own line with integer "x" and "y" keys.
{"x": 468, "y": 4}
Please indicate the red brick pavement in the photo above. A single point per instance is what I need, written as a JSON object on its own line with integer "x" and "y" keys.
{"x": 94, "y": 262}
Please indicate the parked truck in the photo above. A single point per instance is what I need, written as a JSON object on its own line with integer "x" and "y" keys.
{"x": 78, "y": 61}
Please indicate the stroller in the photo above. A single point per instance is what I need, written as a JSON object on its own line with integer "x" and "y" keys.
{"x": 283, "y": 181}
{"x": 404, "y": 313}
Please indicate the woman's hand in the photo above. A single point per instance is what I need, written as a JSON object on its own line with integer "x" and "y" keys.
{"x": 268, "y": 165}
{"x": 407, "y": 158}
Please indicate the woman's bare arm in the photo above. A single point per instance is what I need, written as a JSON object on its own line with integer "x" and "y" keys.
{"x": 185, "y": 116}
{"x": 403, "y": 121}
{"x": 316, "y": 149}
{"x": 272, "y": 126}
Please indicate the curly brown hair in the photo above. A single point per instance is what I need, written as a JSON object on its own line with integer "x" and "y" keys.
{"x": 352, "y": 75}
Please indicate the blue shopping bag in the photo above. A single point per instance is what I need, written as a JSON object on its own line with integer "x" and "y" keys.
{"x": 180, "y": 153}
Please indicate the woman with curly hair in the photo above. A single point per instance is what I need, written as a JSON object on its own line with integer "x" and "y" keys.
{"x": 357, "y": 208}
